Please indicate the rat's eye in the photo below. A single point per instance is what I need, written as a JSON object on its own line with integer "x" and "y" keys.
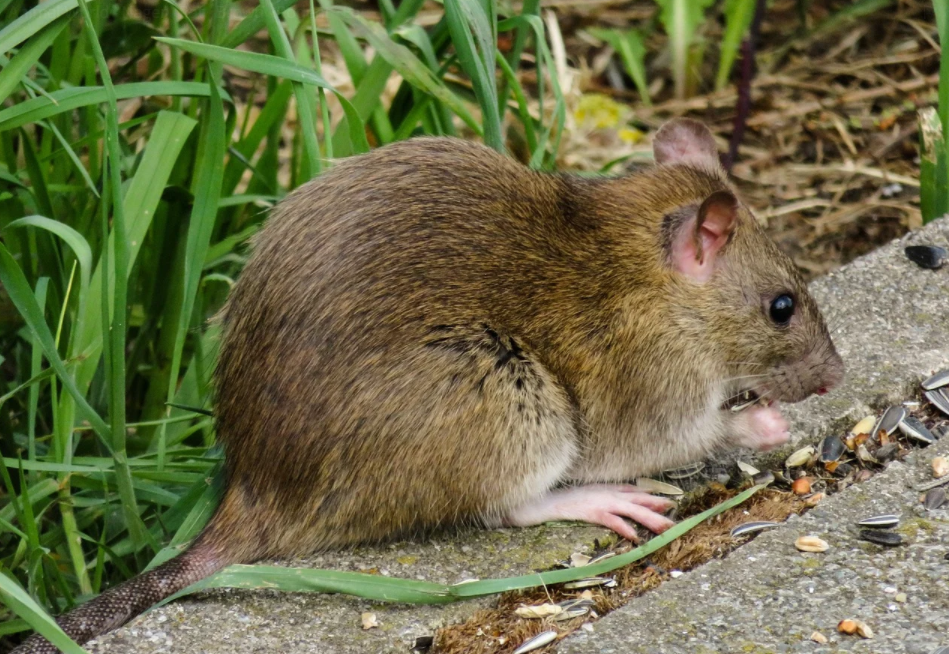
{"x": 781, "y": 310}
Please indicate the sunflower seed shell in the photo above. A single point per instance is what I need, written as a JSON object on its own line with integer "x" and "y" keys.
{"x": 655, "y": 486}
{"x": 536, "y": 642}
{"x": 938, "y": 380}
{"x": 685, "y": 471}
{"x": 934, "y": 499}
{"x": 589, "y": 582}
{"x": 915, "y": 430}
{"x": 801, "y": 457}
{"x": 881, "y": 521}
{"x": 752, "y": 528}
{"x": 938, "y": 399}
{"x": 831, "y": 449}
{"x": 881, "y": 537}
{"x": 931, "y": 257}
{"x": 748, "y": 469}
{"x": 889, "y": 421}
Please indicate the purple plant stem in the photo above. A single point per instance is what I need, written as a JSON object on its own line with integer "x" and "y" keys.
{"x": 743, "y": 107}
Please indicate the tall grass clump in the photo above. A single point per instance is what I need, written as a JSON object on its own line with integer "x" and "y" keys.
{"x": 138, "y": 152}
{"x": 934, "y": 133}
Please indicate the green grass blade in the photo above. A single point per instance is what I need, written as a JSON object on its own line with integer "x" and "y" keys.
{"x": 207, "y": 194}
{"x": 270, "y": 65}
{"x": 629, "y": 46}
{"x": 492, "y": 586}
{"x": 35, "y": 379}
{"x": 33, "y": 21}
{"x": 70, "y": 236}
{"x": 738, "y": 15}
{"x": 305, "y": 108}
{"x": 117, "y": 329}
{"x": 36, "y": 109}
{"x": 941, "y": 8}
{"x": 253, "y": 23}
{"x": 374, "y": 587}
{"x": 422, "y": 592}
{"x": 408, "y": 65}
{"x": 472, "y": 36}
{"x": 169, "y": 134}
{"x": 23, "y": 605}
{"x": 681, "y": 19}
{"x": 14, "y": 281}
{"x": 17, "y": 68}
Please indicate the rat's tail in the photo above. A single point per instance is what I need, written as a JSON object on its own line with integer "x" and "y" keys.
{"x": 118, "y": 605}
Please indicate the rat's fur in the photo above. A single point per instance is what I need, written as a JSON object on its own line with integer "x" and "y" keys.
{"x": 432, "y": 334}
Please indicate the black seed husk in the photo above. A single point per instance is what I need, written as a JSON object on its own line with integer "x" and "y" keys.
{"x": 926, "y": 256}
{"x": 881, "y": 537}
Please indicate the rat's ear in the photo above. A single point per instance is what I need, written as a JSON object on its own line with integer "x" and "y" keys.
{"x": 685, "y": 141}
{"x": 698, "y": 242}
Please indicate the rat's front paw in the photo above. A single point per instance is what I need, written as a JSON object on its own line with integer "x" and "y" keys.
{"x": 761, "y": 428}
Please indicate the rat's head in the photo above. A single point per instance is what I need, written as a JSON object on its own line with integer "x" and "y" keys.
{"x": 767, "y": 333}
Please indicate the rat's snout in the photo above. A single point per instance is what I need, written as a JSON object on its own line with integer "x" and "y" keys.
{"x": 817, "y": 372}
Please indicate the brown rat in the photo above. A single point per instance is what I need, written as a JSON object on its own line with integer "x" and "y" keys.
{"x": 431, "y": 335}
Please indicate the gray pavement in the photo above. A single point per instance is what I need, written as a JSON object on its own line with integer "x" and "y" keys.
{"x": 891, "y": 324}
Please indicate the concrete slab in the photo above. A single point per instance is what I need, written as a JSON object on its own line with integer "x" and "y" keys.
{"x": 766, "y": 597}
{"x": 891, "y": 324}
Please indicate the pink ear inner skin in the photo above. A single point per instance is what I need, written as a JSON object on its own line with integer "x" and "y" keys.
{"x": 696, "y": 247}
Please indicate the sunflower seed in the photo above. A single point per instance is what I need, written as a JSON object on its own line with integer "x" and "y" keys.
{"x": 763, "y": 478}
{"x": 566, "y": 605}
{"x": 572, "y": 612}
{"x": 926, "y": 256}
{"x": 831, "y": 449}
{"x": 423, "y": 643}
{"x": 811, "y": 544}
{"x": 602, "y": 557}
{"x": 880, "y": 521}
{"x": 939, "y": 399}
{"x": 800, "y": 457}
{"x": 864, "y": 454}
{"x": 578, "y": 560}
{"x": 889, "y": 421}
{"x": 934, "y": 499}
{"x": 539, "y": 611}
{"x": 941, "y": 378}
{"x": 536, "y": 642}
{"x": 880, "y": 537}
{"x": 654, "y": 486}
{"x": 685, "y": 471}
{"x": 916, "y": 430}
{"x": 933, "y": 484}
{"x": 589, "y": 582}
{"x": 747, "y": 468}
{"x": 752, "y": 528}
{"x": 864, "y": 426}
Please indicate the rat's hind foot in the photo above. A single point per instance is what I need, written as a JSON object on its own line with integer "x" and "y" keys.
{"x": 599, "y": 504}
